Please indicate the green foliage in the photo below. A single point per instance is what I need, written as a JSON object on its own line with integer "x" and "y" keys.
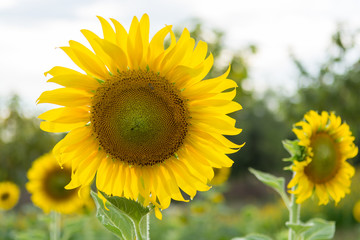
{"x": 21, "y": 142}
{"x": 254, "y": 236}
{"x": 320, "y": 230}
{"x": 333, "y": 87}
{"x": 123, "y": 217}
{"x": 276, "y": 183}
{"x": 315, "y": 229}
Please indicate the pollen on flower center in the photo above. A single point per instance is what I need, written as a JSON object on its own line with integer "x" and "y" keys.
{"x": 139, "y": 117}
{"x": 324, "y": 164}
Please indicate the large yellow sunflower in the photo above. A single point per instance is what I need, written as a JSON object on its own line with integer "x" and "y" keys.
{"x": 46, "y": 185}
{"x": 9, "y": 195}
{"x": 328, "y": 144}
{"x": 141, "y": 117}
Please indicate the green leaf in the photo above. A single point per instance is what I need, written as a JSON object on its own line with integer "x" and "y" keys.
{"x": 320, "y": 230}
{"x": 276, "y": 183}
{"x": 123, "y": 217}
{"x": 254, "y": 236}
{"x": 299, "y": 228}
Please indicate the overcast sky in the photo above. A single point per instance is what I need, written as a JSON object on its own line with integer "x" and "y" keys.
{"x": 31, "y": 31}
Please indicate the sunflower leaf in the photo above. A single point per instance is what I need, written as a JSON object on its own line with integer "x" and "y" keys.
{"x": 320, "y": 230}
{"x": 123, "y": 217}
{"x": 299, "y": 228}
{"x": 254, "y": 236}
{"x": 276, "y": 183}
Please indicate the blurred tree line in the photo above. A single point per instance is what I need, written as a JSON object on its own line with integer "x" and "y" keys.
{"x": 21, "y": 141}
{"x": 333, "y": 88}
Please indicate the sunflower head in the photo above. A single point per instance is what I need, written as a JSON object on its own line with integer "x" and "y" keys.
{"x": 327, "y": 143}
{"x": 46, "y": 185}
{"x": 140, "y": 116}
{"x": 9, "y": 195}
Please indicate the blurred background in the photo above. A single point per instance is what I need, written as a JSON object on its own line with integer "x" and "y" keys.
{"x": 288, "y": 57}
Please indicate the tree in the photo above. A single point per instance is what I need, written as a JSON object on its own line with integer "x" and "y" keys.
{"x": 21, "y": 142}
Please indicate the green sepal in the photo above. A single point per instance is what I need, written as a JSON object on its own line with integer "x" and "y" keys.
{"x": 254, "y": 236}
{"x": 124, "y": 217}
{"x": 297, "y": 152}
{"x": 276, "y": 183}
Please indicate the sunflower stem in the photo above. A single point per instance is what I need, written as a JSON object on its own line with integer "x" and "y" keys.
{"x": 55, "y": 226}
{"x": 145, "y": 227}
{"x": 137, "y": 231}
{"x": 148, "y": 226}
{"x": 294, "y": 216}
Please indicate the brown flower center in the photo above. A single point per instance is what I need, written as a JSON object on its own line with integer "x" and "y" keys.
{"x": 324, "y": 164}
{"x": 5, "y": 196}
{"x": 139, "y": 118}
{"x": 55, "y": 182}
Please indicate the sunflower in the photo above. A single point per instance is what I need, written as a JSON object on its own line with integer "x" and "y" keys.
{"x": 356, "y": 211}
{"x": 46, "y": 184}
{"x": 328, "y": 144}
{"x": 9, "y": 195}
{"x": 141, "y": 117}
{"x": 221, "y": 175}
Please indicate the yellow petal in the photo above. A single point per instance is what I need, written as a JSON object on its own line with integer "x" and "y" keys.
{"x": 199, "y": 54}
{"x": 121, "y": 35}
{"x": 56, "y": 71}
{"x": 59, "y": 127}
{"x": 68, "y": 97}
{"x": 78, "y": 81}
{"x": 144, "y": 30}
{"x": 117, "y": 56}
{"x": 93, "y": 40}
{"x": 66, "y": 115}
{"x": 108, "y": 31}
{"x": 156, "y": 46}
{"x": 158, "y": 214}
{"x": 90, "y": 62}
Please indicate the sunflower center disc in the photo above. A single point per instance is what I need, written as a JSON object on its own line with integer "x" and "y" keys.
{"x": 5, "y": 196}
{"x": 55, "y": 182}
{"x": 324, "y": 164}
{"x": 139, "y": 118}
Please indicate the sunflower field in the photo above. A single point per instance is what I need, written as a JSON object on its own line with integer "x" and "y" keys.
{"x": 159, "y": 138}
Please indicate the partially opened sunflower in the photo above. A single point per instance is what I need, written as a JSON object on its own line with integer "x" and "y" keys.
{"x": 140, "y": 116}
{"x": 325, "y": 171}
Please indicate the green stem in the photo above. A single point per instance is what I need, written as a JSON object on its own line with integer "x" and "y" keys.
{"x": 55, "y": 226}
{"x": 145, "y": 227}
{"x": 294, "y": 216}
{"x": 148, "y": 226}
{"x": 137, "y": 231}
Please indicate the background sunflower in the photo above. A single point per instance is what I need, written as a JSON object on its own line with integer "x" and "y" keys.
{"x": 9, "y": 195}
{"x": 328, "y": 144}
{"x": 46, "y": 185}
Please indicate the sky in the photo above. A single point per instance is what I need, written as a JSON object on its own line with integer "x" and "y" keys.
{"x": 32, "y": 30}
